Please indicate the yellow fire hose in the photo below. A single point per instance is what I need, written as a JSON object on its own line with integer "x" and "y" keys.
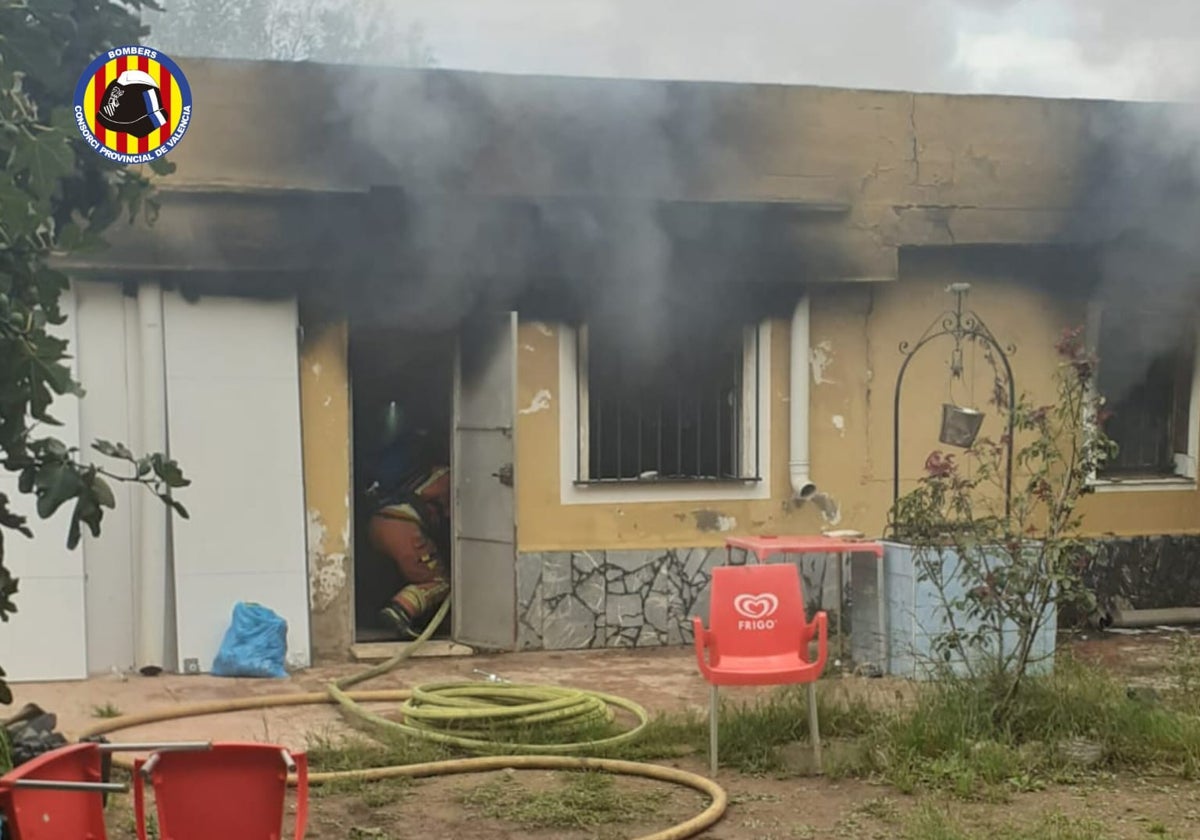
{"x": 473, "y": 712}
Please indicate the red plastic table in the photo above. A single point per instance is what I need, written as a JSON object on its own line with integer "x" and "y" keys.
{"x": 764, "y": 547}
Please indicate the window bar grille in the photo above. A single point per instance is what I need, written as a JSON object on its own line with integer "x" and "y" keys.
{"x": 679, "y": 432}
{"x": 739, "y": 371}
{"x": 757, "y": 402}
{"x": 718, "y": 432}
{"x": 620, "y": 453}
{"x": 658, "y": 430}
{"x": 596, "y": 402}
{"x": 641, "y": 467}
{"x": 598, "y": 438}
{"x": 580, "y": 421}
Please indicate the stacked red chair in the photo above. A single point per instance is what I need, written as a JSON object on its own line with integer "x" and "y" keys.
{"x": 232, "y": 791}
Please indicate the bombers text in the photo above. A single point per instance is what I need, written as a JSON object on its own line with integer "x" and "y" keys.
{"x": 120, "y": 51}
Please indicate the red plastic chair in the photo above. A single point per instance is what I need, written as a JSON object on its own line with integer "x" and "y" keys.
{"x": 57, "y": 795}
{"x": 758, "y": 635}
{"x": 233, "y": 791}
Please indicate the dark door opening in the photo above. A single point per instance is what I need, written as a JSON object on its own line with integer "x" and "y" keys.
{"x": 402, "y": 386}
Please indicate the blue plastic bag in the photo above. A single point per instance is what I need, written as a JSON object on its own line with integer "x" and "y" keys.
{"x": 255, "y": 645}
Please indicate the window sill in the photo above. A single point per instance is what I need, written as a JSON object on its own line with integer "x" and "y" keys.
{"x": 1138, "y": 485}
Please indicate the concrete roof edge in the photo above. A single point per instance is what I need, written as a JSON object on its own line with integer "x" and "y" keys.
{"x": 168, "y": 188}
{"x": 382, "y": 70}
{"x": 213, "y": 188}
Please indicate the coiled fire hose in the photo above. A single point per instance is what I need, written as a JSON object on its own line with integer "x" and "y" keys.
{"x": 470, "y": 716}
{"x": 475, "y": 715}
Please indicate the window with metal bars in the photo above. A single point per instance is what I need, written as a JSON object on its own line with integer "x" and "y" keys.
{"x": 1145, "y": 375}
{"x": 685, "y": 408}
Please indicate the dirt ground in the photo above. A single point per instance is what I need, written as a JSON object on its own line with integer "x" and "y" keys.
{"x": 760, "y": 809}
{"x": 1125, "y": 808}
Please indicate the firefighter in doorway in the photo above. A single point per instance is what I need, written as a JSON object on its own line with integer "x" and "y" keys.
{"x": 410, "y": 524}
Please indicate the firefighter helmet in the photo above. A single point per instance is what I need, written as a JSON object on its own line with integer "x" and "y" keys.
{"x": 132, "y": 104}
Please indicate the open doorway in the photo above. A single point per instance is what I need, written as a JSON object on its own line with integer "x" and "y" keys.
{"x": 402, "y": 387}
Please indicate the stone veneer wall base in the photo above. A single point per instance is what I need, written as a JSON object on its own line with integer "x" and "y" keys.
{"x": 630, "y": 598}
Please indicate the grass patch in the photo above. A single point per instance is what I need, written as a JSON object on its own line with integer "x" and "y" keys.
{"x": 579, "y": 800}
{"x": 1184, "y": 670}
{"x": 752, "y": 733}
{"x": 108, "y": 710}
{"x": 333, "y": 755}
{"x": 931, "y": 822}
{"x": 948, "y": 739}
{"x": 151, "y": 824}
{"x": 951, "y": 739}
{"x": 352, "y": 752}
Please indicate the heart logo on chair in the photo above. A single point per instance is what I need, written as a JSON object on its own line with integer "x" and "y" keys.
{"x": 756, "y": 606}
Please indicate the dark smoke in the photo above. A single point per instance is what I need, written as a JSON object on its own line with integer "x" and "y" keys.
{"x": 559, "y": 197}
{"x": 590, "y": 162}
{"x": 1139, "y": 209}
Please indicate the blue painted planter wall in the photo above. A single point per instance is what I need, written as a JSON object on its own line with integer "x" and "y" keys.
{"x": 917, "y": 615}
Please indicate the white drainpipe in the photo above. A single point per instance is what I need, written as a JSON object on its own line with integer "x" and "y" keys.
{"x": 798, "y": 463}
{"x": 152, "y": 543}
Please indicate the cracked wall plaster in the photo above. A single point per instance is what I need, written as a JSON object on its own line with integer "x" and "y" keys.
{"x": 540, "y": 402}
{"x": 820, "y": 358}
{"x": 326, "y": 570}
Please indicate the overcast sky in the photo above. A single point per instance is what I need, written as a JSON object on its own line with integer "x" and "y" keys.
{"x": 1087, "y": 48}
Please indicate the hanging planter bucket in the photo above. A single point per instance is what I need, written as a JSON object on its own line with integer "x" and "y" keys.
{"x": 960, "y": 425}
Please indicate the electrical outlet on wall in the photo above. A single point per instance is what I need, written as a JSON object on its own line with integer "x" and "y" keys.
{"x": 191, "y": 666}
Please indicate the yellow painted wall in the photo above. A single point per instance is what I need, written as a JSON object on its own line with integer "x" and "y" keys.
{"x": 1144, "y": 513}
{"x": 547, "y": 525}
{"x": 325, "y": 427}
{"x": 855, "y": 334}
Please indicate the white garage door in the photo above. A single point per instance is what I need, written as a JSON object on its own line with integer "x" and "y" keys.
{"x": 46, "y": 638}
{"x": 109, "y": 368}
{"x": 233, "y": 403}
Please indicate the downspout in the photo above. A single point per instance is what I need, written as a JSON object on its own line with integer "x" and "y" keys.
{"x": 152, "y": 542}
{"x": 798, "y": 461}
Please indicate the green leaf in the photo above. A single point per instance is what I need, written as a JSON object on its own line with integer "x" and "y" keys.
{"x": 65, "y": 485}
{"x": 113, "y": 450}
{"x": 16, "y": 210}
{"x": 169, "y": 472}
{"x": 162, "y": 166}
{"x": 104, "y": 493}
{"x": 56, "y": 194}
{"x": 75, "y": 239}
{"x": 46, "y": 158}
{"x": 14, "y": 522}
{"x": 45, "y": 476}
{"x": 28, "y": 54}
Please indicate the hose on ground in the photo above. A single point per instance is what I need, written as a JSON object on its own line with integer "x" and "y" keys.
{"x": 470, "y": 716}
{"x": 486, "y": 717}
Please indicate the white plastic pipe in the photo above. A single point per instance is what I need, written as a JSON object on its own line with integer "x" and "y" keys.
{"x": 152, "y": 543}
{"x": 798, "y": 460}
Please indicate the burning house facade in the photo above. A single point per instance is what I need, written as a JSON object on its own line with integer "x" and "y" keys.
{"x": 637, "y": 317}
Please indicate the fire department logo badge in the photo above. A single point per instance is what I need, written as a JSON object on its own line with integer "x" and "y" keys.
{"x": 132, "y": 104}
